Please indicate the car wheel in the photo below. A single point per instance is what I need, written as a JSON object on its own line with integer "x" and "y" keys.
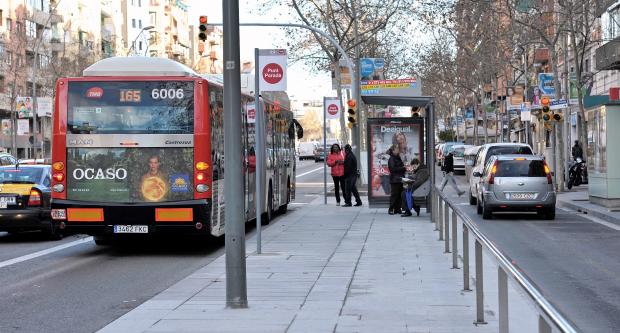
{"x": 550, "y": 214}
{"x": 472, "y": 199}
{"x": 487, "y": 213}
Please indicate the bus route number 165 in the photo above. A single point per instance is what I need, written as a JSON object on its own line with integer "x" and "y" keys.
{"x": 167, "y": 93}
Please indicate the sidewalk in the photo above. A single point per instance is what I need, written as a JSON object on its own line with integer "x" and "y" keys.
{"x": 325, "y": 269}
{"x": 578, "y": 200}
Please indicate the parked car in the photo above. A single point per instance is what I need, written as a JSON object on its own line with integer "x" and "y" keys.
{"x": 7, "y": 159}
{"x": 446, "y": 148}
{"x": 305, "y": 150}
{"x": 319, "y": 154}
{"x": 516, "y": 183}
{"x": 470, "y": 158}
{"x": 439, "y": 153}
{"x": 459, "y": 158}
{"x": 25, "y": 199}
{"x": 484, "y": 154}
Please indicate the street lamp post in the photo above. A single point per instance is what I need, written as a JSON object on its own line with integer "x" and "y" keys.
{"x": 133, "y": 44}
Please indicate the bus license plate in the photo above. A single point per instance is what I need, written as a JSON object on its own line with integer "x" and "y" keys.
{"x": 131, "y": 229}
{"x": 522, "y": 196}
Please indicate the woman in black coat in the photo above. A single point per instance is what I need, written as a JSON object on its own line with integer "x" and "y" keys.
{"x": 397, "y": 172}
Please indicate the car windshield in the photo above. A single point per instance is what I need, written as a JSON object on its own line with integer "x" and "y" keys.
{"x": 20, "y": 175}
{"x": 521, "y": 168}
{"x": 507, "y": 150}
{"x": 459, "y": 152}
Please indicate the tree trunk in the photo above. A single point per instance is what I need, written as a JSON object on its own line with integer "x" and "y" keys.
{"x": 558, "y": 147}
{"x": 582, "y": 128}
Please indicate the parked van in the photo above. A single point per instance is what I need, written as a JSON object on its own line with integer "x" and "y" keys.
{"x": 483, "y": 156}
{"x": 305, "y": 150}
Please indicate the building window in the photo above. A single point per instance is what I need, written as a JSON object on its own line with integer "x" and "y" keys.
{"x": 18, "y": 27}
{"x": 1, "y": 17}
{"x": 1, "y": 51}
{"x": 9, "y": 24}
{"x": 153, "y": 18}
{"x": 31, "y": 29}
{"x": 140, "y": 46}
{"x": 133, "y": 3}
{"x": 139, "y": 3}
{"x": 133, "y": 23}
{"x": 9, "y": 57}
{"x": 587, "y": 66}
{"x": 140, "y": 24}
{"x": 1, "y": 84}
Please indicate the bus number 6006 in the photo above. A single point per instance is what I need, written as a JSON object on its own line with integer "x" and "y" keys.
{"x": 167, "y": 93}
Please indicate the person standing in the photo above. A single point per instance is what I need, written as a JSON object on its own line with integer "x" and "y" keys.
{"x": 350, "y": 177}
{"x": 336, "y": 161}
{"x": 577, "y": 151}
{"x": 448, "y": 173}
{"x": 397, "y": 172}
{"x": 420, "y": 176}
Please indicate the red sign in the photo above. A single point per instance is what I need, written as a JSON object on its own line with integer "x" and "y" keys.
{"x": 332, "y": 109}
{"x": 273, "y": 73}
{"x": 251, "y": 114}
{"x": 94, "y": 92}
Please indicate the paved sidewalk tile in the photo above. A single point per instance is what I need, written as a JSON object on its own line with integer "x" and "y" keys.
{"x": 325, "y": 269}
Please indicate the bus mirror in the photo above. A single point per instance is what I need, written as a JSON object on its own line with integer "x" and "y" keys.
{"x": 295, "y": 128}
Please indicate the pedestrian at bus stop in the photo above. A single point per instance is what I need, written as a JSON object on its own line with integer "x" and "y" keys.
{"x": 419, "y": 177}
{"x": 448, "y": 174}
{"x": 336, "y": 161}
{"x": 397, "y": 172}
{"x": 350, "y": 177}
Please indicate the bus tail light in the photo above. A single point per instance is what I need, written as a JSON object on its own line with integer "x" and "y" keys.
{"x": 59, "y": 176}
{"x": 200, "y": 176}
{"x": 58, "y": 188}
{"x": 35, "y": 198}
{"x": 58, "y": 166}
{"x": 202, "y": 166}
{"x": 201, "y": 188}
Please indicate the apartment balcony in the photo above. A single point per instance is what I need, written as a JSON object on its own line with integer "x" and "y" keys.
{"x": 608, "y": 56}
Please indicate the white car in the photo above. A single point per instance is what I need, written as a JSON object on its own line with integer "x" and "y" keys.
{"x": 459, "y": 157}
{"x": 483, "y": 156}
{"x": 305, "y": 150}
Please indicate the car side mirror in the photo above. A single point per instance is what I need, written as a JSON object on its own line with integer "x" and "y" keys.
{"x": 477, "y": 174}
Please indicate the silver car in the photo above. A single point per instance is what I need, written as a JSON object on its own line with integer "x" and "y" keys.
{"x": 516, "y": 183}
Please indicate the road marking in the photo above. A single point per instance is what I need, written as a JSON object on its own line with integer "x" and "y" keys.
{"x": 309, "y": 172}
{"x": 44, "y": 252}
{"x": 593, "y": 219}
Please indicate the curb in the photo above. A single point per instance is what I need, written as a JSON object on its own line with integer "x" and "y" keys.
{"x": 595, "y": 213}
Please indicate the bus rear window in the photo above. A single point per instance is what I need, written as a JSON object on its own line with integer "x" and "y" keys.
{"x": 133, "y": 107}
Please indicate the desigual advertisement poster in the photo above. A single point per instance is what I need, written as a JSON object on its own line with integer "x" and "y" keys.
{"x": 406, "y": 133}
{"x": 130, "y": 175}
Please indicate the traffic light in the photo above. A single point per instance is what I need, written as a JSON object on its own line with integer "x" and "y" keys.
{"x": 546, "y": 111}
{"x": 415, "y": 112}
{"x": 558, "y": 116}
{"x": 202, "y": 28}
{"x": 352, "y": 118}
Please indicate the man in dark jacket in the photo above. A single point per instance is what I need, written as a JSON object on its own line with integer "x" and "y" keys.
{"x": 350, "y": 177}
{"x": 420, "y": 176}
{"x": 397, "y": 172}
{"x": 577, "y": 151}
{"x": 448, "y": 170}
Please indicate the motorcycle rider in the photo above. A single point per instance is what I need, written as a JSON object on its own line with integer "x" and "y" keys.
{"x": 577, "y": 151}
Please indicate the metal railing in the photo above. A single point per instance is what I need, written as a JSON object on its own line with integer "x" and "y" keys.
{"x": 549, "y": 318}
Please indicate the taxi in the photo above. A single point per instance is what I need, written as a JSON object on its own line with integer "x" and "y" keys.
{"x": 25, "y": 199}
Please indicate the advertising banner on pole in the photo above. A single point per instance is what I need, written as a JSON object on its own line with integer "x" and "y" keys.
{"x": 44, "y": 106}
{"x": 514, "y": 97}
{"x": 345, "y": 76}
{"x": 23, "y": 105}
{"x": 399, "y": 88}
{"x": 23, "y": 127}
{"x": 6, "y": 126}
{"x": 372, "y": 69}
{"x": 250, "y": 113}
{"x": 332, "y": 108}
{"x": 573, "y": 91}
{"x": 272, "y": 69}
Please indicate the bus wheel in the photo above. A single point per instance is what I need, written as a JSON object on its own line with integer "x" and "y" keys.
{"x": 269, "y": 214}
{"x": 284, "y": 208}
{"x": 102, "y": 240}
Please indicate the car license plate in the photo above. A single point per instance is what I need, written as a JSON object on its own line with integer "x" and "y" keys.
{"x": 131, "y": 229}
{"x": 7, "y": 200}
{"x": 522, "y": 196}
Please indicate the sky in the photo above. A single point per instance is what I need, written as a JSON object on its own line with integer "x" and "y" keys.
{"x": 301, "y": 84}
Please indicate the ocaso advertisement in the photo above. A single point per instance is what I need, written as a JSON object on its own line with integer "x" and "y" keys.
{"x": 406, "y": 134}
{"x": 130, "y": 175}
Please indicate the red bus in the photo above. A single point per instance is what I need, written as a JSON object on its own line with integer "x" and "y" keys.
{"x": 138, "y": 148}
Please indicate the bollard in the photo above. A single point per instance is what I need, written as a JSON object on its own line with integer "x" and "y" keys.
{"x": 434, "y": 205}
{"x": 446, "y": 227}
{"x": 465, "y": 258}
{"x": 543, "y": 326}
{"x": 441, "y": 218}
{"x": 479, "y": 286}
{"x": 502, "y": 288}
{"x": 438, "y": 213}
{"x": 455, "y": 251}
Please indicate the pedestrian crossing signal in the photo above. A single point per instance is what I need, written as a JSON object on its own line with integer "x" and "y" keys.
{"x": 352, "y": 118}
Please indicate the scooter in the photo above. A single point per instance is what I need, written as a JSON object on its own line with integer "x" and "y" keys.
{"x": 577, "y": 173}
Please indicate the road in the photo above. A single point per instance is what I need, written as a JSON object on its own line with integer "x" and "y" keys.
{"x": 83, "y": 287}
{"x": 573, "y": 260}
